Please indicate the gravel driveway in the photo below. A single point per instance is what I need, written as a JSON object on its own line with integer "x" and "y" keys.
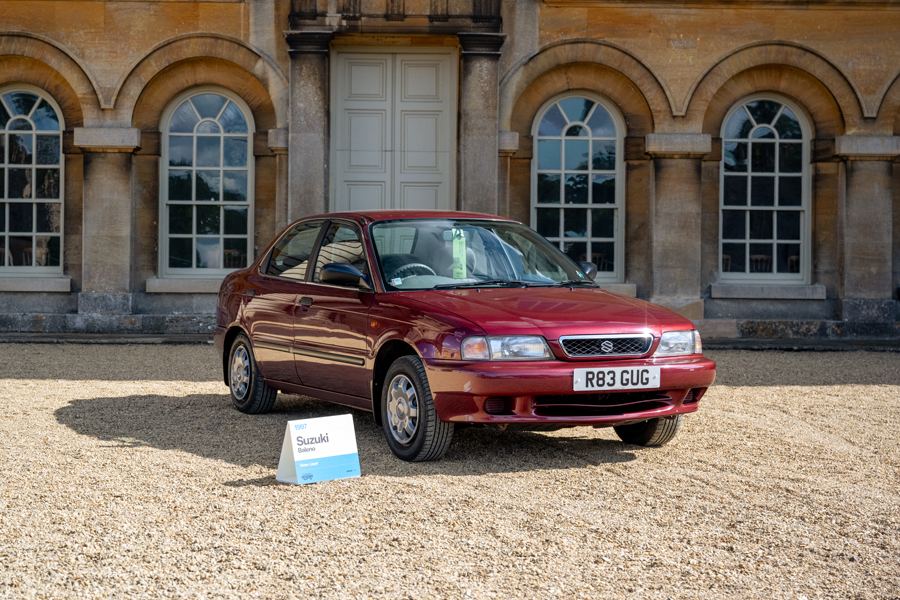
{"x": 126, "y": 473}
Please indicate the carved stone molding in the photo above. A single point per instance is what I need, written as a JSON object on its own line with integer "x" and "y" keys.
{"x": 867, "y": 147}
{"x": 107, "y": 139}
{"x": 487, "y": 44}
{"x": 678, "y": 145}
{"x": 308, "y": 42}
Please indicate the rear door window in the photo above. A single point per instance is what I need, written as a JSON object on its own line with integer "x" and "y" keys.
{"x": 290, "y": 257}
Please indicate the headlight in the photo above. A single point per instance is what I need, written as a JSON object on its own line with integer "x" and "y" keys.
{"x": 505, "y": 347}
{"x": 679, "y": 343}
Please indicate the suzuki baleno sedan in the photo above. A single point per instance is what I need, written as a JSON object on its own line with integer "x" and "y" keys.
{"x": 433, "y": 319}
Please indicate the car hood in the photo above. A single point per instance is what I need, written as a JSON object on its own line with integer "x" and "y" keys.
{"x": 552, "y": 312}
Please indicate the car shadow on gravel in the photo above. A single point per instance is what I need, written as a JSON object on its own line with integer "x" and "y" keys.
{"x": 206, "y": 425}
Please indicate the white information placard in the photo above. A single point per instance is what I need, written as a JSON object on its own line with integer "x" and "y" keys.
{"x": 318, "y": 450}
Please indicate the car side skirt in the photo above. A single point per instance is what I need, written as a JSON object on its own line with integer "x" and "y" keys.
{"x": 335, "y": 397}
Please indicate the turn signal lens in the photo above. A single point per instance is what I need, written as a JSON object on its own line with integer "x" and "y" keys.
{"x": 475, "y": 348}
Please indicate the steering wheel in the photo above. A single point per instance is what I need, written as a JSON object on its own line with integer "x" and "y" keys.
{"x": 405, "y": 268}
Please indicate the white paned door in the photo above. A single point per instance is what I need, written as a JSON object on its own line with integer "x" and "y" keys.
{"x": 393, "y": 130}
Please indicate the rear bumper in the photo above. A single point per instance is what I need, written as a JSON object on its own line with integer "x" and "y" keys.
{"x": 542, "y": 392}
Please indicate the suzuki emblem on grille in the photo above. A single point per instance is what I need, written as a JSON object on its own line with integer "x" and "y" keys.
{"x": 606, "y": 346}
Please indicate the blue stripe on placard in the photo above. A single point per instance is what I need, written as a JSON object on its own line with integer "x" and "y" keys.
{"x": 325, "y": 469}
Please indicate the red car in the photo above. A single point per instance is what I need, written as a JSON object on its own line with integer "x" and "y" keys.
{"x": 429, "y": 319}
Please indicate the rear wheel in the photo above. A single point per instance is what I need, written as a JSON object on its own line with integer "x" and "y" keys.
{"x": 411, "y": 424}
{"x": 654, "y": 432}
{"x": 249, "y": 391}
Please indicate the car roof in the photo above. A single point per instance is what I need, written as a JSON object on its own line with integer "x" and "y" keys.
{"x": 392, "y": 215}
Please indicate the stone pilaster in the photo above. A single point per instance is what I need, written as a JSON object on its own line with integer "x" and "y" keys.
{"x": 278, "y": 143}
{"x": 478, "y": 122}
{"x": 508, "y": 144}
{"x": 675, "y": 220}
{"x": 520, "y": 22}
{"x": 262, "y": 20}
{"x": 866, "y": 229}
{"x": 107, "y": 219}
{"x": 308, "y": 138}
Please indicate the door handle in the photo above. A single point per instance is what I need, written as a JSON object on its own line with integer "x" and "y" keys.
{"x": 305, "y": 302}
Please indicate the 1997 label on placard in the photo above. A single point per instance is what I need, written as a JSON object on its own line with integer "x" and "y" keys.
{"x": 616, "y": 378}
{"x": 318, "y": 449}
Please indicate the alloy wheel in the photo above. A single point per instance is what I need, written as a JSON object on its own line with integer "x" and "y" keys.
{"x": 240, "y": 372}
{"x": 403, "y": 409}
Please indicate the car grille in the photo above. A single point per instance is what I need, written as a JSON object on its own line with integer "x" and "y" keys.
{"x": 581, "y": 346}
{"x": 583, "y": 405}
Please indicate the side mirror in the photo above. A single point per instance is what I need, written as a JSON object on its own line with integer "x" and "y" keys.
{"x": 589, "y": 268}
{"x": 344, "y": 274}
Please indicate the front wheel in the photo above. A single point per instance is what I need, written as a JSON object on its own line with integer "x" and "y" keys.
{"x": 411, "y": 424}
{"x": 249, "y": 391}
{"x": 654, "y": 432}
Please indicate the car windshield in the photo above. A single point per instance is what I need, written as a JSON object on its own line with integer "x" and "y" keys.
{"x": 423, "y": 254}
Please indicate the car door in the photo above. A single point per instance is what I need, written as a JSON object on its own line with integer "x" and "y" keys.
{"x": 330, "y": 347}
{"x": 272, "y": 297}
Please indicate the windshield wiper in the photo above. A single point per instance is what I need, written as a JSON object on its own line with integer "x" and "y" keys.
{"x": 470, "y": 284}
{"x": 569, "y": 282}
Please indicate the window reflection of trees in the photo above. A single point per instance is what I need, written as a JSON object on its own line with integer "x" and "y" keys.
{"x": 575, "y": 172}
{"x": 762, "y": 212}
{"x": 206, "y": 184}
{"x": 31, "y": 205}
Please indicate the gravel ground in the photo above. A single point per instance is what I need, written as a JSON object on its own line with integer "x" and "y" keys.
{"x": 126, "y": 473}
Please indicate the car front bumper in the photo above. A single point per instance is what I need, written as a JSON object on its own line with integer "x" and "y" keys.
{"x": 530, "y": 393}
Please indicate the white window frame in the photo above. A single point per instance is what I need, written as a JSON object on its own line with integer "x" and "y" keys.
{"x": 804, "y": 276}
{"x": 12, "y": 271}
{"x": 164, "y": 270}
{"x": 617, "y": 275}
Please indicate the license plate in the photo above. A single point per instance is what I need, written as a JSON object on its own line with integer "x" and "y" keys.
{"x": 616, "y": 378}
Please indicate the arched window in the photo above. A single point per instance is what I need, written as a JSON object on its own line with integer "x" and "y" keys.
{"x": 31, "y": 176}
{"x": 764, "y": 220}
{"x": 577, "y": 189}
{"x": 206, "y": 187}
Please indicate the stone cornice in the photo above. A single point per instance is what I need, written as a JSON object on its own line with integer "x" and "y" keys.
{"x": 867, "y": 147}
{"x": 507, "y": 143}
{"x": 278, "y": 140}
{"x": 107, "y": 139}
{"x": 736, "y": 4}
{"x": 309, "y": 41}
{"x": 678, "y": 145}
{"x": 487, "y": 44}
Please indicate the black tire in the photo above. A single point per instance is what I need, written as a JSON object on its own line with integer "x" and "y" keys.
{"x": 654, "y": 432}
{"x": 249, "y": 391}
{"x": 411, "y": 425}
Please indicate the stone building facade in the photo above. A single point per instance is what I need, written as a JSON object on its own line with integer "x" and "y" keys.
{"x": 735, "y": 161}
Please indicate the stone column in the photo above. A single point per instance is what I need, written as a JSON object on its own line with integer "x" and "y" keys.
{"x": 866, "y": 230}
{"x": 308, "y": 138}
{"x": 508, "y": 144}
{"x": 478, "y": 122}
{"x": 278, "y": 143}
{"x": 675, "y": 220}
{"x": 107, "y": 219}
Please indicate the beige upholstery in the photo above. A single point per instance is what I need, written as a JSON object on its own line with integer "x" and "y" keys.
{"x": 298, "y": 272}
{"x": 339, "y": 252}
